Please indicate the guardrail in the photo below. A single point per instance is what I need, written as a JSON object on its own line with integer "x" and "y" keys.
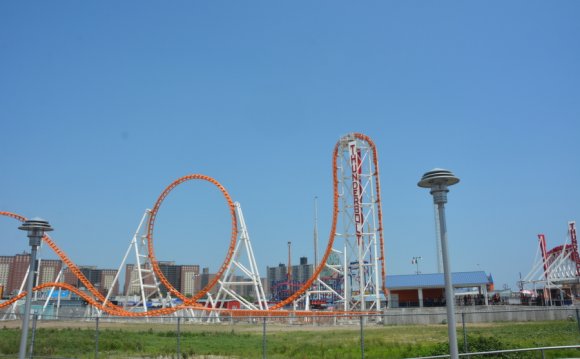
{"x": 542, "y": 350}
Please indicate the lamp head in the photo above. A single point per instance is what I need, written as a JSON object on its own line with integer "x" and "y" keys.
{"x": 436, "y": 177}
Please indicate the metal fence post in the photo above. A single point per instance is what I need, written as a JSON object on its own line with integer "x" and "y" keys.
{"x": 97, "y": 337}
{"x": 362, "y": 339}
{"x": 264, "y": 338}
{"x": 178, "y": 337}
{"x": 578, "y": 318}
{"x": 465, "y": 349}
{"x": 34, "y": 319}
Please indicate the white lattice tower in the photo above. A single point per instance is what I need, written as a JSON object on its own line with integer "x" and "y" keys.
{"x": 241, "y": 272}
{"x": 356, "y": 237}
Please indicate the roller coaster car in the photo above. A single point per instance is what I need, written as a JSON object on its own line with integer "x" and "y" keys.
{"x": 318, "y": 304}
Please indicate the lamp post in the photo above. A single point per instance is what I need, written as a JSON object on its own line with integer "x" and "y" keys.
{"x": 416, "y": 260}
{"x": 35, "y": 231}
{"x": 438, "y": 180}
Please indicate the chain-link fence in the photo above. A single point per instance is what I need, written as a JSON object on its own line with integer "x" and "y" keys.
{"x": 407, "y": 332}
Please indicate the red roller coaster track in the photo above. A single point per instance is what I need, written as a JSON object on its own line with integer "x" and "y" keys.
{"x": 99, "y": 301}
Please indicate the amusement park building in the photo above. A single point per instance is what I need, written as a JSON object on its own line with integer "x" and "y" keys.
{"x": 419, "y": 290}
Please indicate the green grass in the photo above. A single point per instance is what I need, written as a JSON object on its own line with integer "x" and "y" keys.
{"x": 283, "y": 341}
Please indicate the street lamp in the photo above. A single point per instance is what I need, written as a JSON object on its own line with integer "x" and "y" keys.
{"x": 416, "y": 260}
{"x": 438, "y": 180}
{"x": 35, "y": 228}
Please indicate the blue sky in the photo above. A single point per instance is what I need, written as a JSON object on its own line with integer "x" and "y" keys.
{"x": 102, "y": 105}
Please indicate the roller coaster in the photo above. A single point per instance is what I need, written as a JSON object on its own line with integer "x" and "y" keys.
{"x": 556, "y": 271}
{"x": 361, "y": 271}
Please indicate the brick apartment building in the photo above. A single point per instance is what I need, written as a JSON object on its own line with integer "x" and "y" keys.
{"x": 13, "y": 271}
{"x": 184, "y": 278}
{"x": 101, "y": 279}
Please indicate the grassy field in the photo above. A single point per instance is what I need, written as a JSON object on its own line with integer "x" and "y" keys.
{"x": 77, "y": 340}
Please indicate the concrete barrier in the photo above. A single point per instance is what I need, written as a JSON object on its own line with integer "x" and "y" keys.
{"x": 477, "y": 314}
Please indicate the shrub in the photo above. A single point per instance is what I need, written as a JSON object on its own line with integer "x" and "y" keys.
{"x": 482, "y": 343}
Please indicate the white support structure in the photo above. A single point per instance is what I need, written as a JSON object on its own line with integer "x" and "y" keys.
{"x": 143, "y": 275}
{"x": 58, "y": 279}
{"x": 11, "y": 314}
{"x": 355, "y": 259}
{"x": 562, "y": 268}
{"x": 242, "y": 271}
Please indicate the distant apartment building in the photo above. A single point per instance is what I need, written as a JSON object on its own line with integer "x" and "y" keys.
{"x": 133, "y": 281}
{"x": 91, "y": 273}
{"x": 245, "y": 290}
{"x": 206, "y": 278}
{"x": 300, "y": 272}
{"x": 101, "y": 279}
{"x": 48, "y": 270}
{"x": 278, "y": 281}
{"x": 18, "y": 270}
{"x": 265, "y": 285}
{"x": 280, "y": 286}
{"x": 189, "y": 279}
{"x": 277, "y": 274}
{"x": 173, "y": 275}
{"x": 5, "y": 264}
{"x": 13, "y": 271}
{"x": 70, "y": 278}
{"x": 184, "y": 278}
{"x": 107, "y": 278}
{"x": 303, "y": 271}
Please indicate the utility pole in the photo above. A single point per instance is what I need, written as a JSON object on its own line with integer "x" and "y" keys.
{"x": 289, "y": 263}
{"x": 416, "y": 260}
{"x": 316, "y": 243}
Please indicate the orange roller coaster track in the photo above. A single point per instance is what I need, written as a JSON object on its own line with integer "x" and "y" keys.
{"x": 151, "y": 226}
{"x": 99, "y": 302}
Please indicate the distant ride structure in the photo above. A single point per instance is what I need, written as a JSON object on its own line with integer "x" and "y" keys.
{"x": 352, "y": 270}
{"x": 350, "y": 274}
{"x": 556, "y": 272}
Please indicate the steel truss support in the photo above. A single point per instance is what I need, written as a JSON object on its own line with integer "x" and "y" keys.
{"x": 143, "y": 277}
{"x": 241, "y": 272}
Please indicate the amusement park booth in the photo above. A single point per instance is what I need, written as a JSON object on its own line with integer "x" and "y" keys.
{"x": 428, "y": 290}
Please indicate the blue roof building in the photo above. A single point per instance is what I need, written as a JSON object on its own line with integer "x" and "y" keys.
{"x": 428, "y": 289}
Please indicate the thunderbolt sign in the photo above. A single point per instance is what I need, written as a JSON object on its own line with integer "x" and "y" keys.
{"x": 355, "y": 164}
